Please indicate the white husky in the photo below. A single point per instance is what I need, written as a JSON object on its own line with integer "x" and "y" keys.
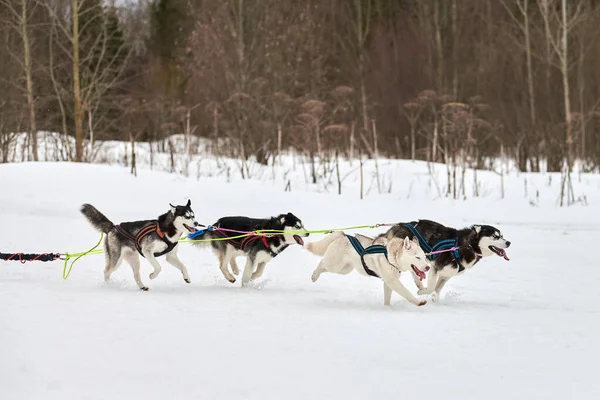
{"x": 341, "y": 256}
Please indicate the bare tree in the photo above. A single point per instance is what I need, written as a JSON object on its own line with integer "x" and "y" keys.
{"x": 21, "y": 12}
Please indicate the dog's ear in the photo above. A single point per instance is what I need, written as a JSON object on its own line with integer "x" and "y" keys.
{"x": 415, "y": 240}
{"x": 477, "y": 228}
{"x": 189, "y": 203}
{"x": 407, "y": 244}
{"x": 173, "y": 208}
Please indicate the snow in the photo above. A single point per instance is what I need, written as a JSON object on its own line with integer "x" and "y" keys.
{"x": 522, "y": 329}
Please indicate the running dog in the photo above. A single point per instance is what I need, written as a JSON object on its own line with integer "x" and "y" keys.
{"x": 258, "y": 249}
{"x": 343, "y": 253}
{"x": 151, "y": 239}
{"x": 451, "y": 251}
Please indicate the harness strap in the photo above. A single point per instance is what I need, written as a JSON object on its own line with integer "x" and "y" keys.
{"x": 373, "y": 249}
{"x": 145, "y": 231}
{"x": 251, "y": 239}
{"x": 445, "y": 244}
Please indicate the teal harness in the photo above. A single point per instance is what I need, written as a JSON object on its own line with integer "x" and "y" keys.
{"x": 362, "y": 252}
{"x": 443, "y": 246}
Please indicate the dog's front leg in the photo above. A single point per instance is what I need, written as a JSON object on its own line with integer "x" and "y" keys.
{"x": 387, "y": 294}
{"x": 248, "y": 270}
{"x": 259, "y": 271}
{"x": 225, "y": 263}
{"x": 234, "y": 267}
{"x": 417, "y": 280}
{"x": 394, "y": 283}
{"x": 438, "y": 287}
{"x": 152, "y": 260}
{"x": 176, "y": 262}
{"x": 431, "y": 282}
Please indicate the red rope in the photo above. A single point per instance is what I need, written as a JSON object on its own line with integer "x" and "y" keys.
{"x": 29, "y": 259}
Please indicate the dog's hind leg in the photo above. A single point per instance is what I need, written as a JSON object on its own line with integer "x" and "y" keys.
{"x": 318, "y": 271}
{"x": 176, "y": 262}
{"x": 134, "y": 260}
{"x": 114, "y": 259}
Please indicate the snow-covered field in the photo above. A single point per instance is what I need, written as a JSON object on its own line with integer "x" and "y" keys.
{"x": 523, "y": 329}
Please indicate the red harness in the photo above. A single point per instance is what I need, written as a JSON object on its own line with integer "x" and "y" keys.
{"x": 145, "y": 231}
{"x": 243, "y": 243}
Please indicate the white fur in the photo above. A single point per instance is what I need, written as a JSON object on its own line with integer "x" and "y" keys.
{"x": 148, "y": 249}
{"x": 339, "y": 257}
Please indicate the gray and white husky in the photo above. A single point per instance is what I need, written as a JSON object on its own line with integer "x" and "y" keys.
{"x": 258, "y": 249}
{"x": 150, "y": 238}
{"x": 472, "y": 244}
{"x": 340, "y": 256}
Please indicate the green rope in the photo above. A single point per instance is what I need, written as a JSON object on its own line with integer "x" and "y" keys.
{"x": 67, "y": 268}
{"x": 77, "y": 256}
{"x": 276, "y": 231}
{"x": 185, "y": 239}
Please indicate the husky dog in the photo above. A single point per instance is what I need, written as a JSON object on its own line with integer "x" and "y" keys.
{"x": 258, "y": 249}
{"x": 462, "y": 249}
{"x": 151, "y": 239}
{"x": 342, "y": 254}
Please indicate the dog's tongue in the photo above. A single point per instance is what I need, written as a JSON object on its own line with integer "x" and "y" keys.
{"x": 299, "y": 240}
{"x": 419, "y": 273}
{"x": 505, "y": 256}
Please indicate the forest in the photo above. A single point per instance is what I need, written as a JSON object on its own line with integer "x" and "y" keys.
{"x": 452, "y": 81}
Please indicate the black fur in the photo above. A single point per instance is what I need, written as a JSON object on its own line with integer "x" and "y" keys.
{"x": 127, "y": 235}
{"x": 96, "y": 218}
{"x": 433, "y": 232}
{"x": 246, "y": 224}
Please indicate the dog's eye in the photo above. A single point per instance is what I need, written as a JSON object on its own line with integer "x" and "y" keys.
{"x": 418, "y": 258}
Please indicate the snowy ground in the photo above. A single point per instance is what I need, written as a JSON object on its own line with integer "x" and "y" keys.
{"x": 522, "y": 329}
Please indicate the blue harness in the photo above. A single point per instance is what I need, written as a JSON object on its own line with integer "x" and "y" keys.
{"x": 362, "y": 252}
{"x": 445, "y": 244}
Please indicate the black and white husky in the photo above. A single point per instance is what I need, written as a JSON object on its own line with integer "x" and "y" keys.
{"x": 342, "y": 254}
{"x": 150, "y": 238}
{"x": 469, "y": 244}
{"x": 258, "y": 249}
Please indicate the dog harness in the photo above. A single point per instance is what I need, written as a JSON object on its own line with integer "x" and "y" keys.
{"x": 362, "y": 252}
{"x": 445, "y": 244}
{"x": 145, "y": 231}
{"x": 238, "y": 243}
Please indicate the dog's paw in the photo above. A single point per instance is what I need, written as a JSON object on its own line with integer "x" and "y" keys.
{"x": 231, "y": 279}
{"x": 315, "y": 276}
{"x": 144, "y": 289}
{"x": 255, "y": 276}
{"x": 153, "y": 275}
{"x": 187, "y": 280}
{"x": 420, "y": 303}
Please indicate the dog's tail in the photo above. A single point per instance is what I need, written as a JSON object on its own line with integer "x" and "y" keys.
{"x": 319, "y": 248}
{"x": 96, "y": 218}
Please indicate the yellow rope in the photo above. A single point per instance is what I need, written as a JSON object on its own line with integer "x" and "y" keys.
{"x": 67, "y": 268}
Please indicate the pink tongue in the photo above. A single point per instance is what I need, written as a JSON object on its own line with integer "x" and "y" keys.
{"x": 506, "y": 257}
{"x": 419, "y": 273}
